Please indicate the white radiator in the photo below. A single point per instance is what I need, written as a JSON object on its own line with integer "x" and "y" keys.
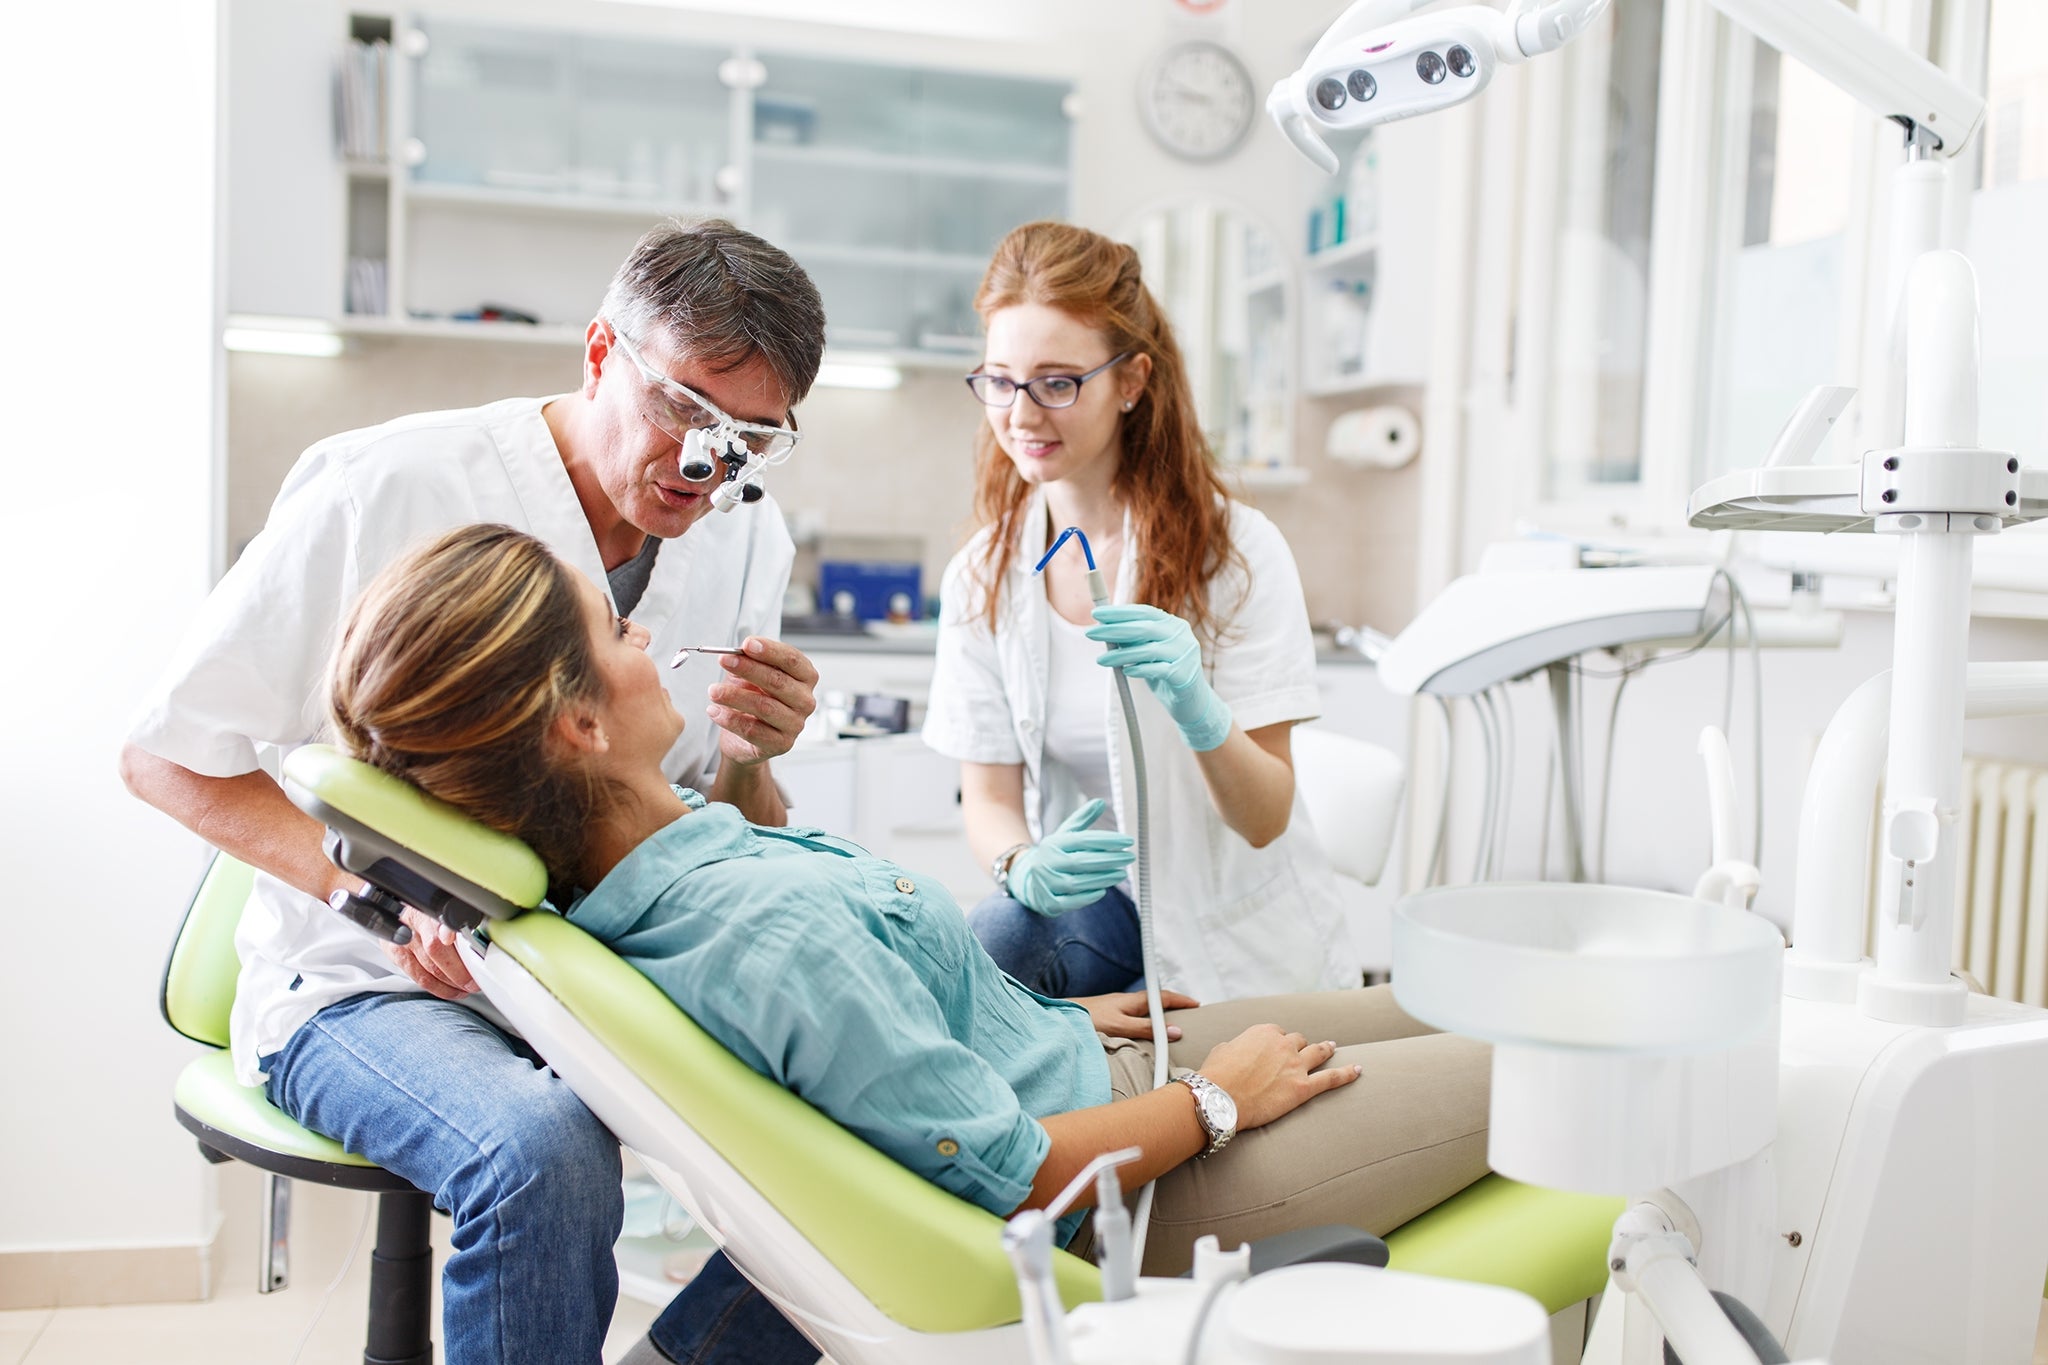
{"x": 2002, "y": 892}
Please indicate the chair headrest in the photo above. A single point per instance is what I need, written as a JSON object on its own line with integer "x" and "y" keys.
{"x": 386, "y": 817}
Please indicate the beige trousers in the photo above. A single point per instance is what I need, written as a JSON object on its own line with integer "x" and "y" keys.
{"x": 1406, "y": 1135}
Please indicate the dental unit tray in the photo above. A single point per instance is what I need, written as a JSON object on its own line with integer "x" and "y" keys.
{"x": 1851, "y": 497}
{"x": 1489, "y": 628}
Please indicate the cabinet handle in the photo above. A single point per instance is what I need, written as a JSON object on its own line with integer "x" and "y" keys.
{"x": 742, "y": 73}
{"x": 414, "y": 152}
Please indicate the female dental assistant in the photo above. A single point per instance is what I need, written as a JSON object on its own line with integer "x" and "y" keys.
{"x": 1091, "y": 424}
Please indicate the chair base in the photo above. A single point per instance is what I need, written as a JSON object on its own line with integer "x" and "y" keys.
{"x": 401, "y": 1326}
{"x": 402, "y": 1283}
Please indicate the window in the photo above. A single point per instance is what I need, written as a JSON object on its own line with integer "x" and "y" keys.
{"x": 1600, "y": 298}
{"x": 1777, "y": 318}
{"x": 2016, "y": 94}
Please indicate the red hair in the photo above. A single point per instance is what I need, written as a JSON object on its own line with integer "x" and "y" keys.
{"x": 1179, "y": 508}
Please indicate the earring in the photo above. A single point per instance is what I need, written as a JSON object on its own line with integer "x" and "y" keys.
{"x": 1129, "y": 404}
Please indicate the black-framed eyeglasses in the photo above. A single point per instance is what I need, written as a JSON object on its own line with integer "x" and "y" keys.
{"x": 1047, "y": 390}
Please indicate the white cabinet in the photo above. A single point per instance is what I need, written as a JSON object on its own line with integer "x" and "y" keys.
{"x": 893, "y": 184}
{"x": 894, "y": 797}
{"x": 890, "y": 793}
{"x": 517, "y": 164}
{"x": 1368, "y": 304}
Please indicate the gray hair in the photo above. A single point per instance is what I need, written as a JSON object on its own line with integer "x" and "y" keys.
{"x": 721, "y": 296}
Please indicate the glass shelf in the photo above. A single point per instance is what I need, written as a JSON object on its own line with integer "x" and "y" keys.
{"x": 858, "y": 159}
{"x": 494, "y": 198}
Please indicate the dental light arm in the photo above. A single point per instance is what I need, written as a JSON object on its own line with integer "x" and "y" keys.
{"x": 1374, "y": 65}
{"x": 1867, "y": 65}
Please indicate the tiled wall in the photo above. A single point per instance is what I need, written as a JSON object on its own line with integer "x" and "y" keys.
{"x": 890, "y": 462}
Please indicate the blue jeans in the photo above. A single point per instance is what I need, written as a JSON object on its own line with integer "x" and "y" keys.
{"x": 1090, "y": 951}
{"x": 434, "y": 1092}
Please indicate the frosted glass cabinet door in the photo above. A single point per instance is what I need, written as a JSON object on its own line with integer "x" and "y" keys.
{"x": 492, "y": 106}
{"x": 893, "y": 185}
{"x": 555, "y": 113}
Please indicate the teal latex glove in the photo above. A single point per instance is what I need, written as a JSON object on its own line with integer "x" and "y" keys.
{"x": 1072, "y": 866}
{"x": 1161, "y": 648}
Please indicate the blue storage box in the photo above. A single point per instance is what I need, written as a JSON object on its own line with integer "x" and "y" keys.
{"x": 872, "y": 584}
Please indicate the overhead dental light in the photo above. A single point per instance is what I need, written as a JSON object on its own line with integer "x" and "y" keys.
{"x": 1375, "y": 65}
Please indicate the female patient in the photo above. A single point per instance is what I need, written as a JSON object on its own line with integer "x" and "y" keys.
{"x": 497, "y": 678}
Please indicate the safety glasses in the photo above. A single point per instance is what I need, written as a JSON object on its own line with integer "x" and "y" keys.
{"x": 1048, "y": 390}
{"x": 676, "y": 410}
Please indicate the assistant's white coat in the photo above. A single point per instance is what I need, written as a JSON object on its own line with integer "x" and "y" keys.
{"x": 1231, "y": 920}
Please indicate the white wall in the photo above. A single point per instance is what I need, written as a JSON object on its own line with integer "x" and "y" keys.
{"x": 105, "y": 529}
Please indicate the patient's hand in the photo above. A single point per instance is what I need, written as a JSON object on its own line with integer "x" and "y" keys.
{"x": 430, "y": 959}
{"x": 1124, "y": 1016}
{"x": 1270, "y": 1072}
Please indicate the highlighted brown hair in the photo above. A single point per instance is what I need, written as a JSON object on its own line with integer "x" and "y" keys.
{"x": 451, "y": 670}
{"x": 1179, "y": 509}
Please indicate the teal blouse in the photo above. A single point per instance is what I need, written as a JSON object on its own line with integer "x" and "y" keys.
{"x": 858, "y": 986}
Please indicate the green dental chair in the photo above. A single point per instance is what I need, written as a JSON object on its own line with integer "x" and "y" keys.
{"x": 872, "y": 1262}
{"x": 234, "y": 1122}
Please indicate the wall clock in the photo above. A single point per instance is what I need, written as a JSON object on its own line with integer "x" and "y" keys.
{"x": 1197, "y": 100}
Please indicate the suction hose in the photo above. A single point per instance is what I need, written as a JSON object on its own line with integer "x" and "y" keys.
{"x": 1098, "y": 589}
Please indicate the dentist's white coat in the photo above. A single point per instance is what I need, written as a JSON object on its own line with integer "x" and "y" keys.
{"x": 248, "y": 683}
{"x": 1230, "y": 920}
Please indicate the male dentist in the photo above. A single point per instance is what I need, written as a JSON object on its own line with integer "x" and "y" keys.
{"x": 369, "y": 1044}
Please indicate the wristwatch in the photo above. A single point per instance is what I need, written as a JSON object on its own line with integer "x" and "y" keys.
{"x": 999, "y": 870}
{"x": 1215, "y": 1108}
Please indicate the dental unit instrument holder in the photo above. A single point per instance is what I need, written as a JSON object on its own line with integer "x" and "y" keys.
{"x": 1027, "y": 1239}
{"x": 1098, "y": 592}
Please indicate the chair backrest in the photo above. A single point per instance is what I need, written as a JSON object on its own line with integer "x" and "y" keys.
{"x": 931, "y": 1261}
{"x": 199, "y": 976}
{"x": 1352, "y": 789}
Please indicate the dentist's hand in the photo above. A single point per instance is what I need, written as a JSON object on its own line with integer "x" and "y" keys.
{"x": 1072, "y": 866}
{"x": 1161, "y": 648}
{"x": 430, "y": 959}
{"x": 761, "y": 704}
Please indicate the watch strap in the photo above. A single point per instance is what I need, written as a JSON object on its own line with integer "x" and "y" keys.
{"x": 999, "y": 870}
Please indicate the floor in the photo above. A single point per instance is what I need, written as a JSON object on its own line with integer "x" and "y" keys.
{"x": 238, "y": 1326}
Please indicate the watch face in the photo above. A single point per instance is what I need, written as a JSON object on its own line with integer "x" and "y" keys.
{"x": 1220, "y": 1108}
{"x": 1197, "y": 100}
